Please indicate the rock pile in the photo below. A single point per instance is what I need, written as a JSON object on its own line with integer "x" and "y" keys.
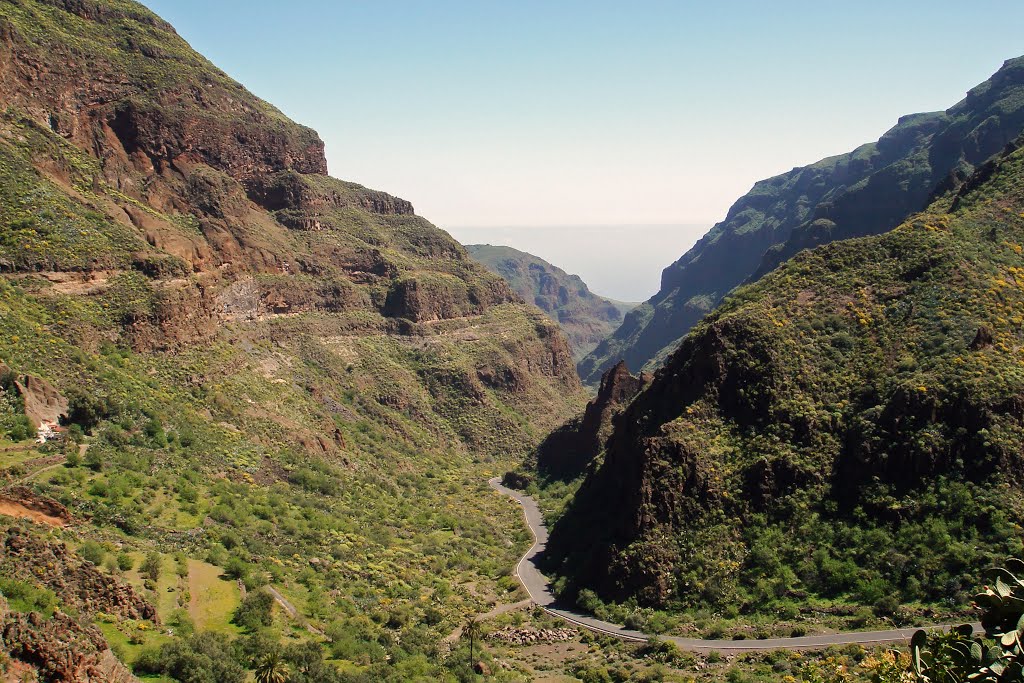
{"x": 77, "y": 584}
{"x": 529, "y": 636}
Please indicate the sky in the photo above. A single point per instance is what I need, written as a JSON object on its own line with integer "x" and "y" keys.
{"x": 645, "y": 114}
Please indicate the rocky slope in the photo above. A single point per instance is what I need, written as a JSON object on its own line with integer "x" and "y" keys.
{"x": 864, "y": 192}
{"x": 585, "y": 317}
{"x": 848, "y": 429}
{"x": 274, "y": 370}
{"x": 567, "y": 451}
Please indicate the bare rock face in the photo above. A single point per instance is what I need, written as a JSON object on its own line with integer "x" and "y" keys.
{"x": 568, "y": 450}
{"x": 43, "y": 403}
{"x": 29, "y": 499}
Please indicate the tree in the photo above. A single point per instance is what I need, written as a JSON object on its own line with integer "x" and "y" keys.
{"x": 152, "y": 565}
{"x": 256, "y": 611}
{"x": 272, "y": 669}
{"x": 471, "y": 629}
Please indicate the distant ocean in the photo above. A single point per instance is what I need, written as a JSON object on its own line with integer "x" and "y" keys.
{"x": 622, "y": 262}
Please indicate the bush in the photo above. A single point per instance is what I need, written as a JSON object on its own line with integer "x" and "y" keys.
{"x": 203, "y": 658}
{"x": 93, "y": 552}
{"x": 152, "y": 565}
{"x": 256, "y": 611}
{"x": 125, "y": 562}
{"x": 20, "y": 430}
{"x": 24, "y": 597}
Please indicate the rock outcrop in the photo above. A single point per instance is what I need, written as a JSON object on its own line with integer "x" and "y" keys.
{"x": 76, "y": 583}
{"x": 60, "y": 650}
{"x": 43, "y": 402}
{"x": 567, "y": 451}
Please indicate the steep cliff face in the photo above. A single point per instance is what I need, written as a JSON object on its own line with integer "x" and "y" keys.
{"x": 865, "y": 192}
{"x": 307, "y": 359}
{"x": 585, "y": 317}
{"x": 848, "y": 427}
{"x": 567, "y": 451}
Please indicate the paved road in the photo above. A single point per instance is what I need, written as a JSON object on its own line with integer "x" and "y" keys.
{"x": 539, "y": 588}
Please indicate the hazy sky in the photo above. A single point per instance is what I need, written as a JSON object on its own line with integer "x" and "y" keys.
{"x": 586, "y": 112}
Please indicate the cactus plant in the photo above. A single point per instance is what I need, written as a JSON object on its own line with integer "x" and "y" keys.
{"x": 957, "y": 655}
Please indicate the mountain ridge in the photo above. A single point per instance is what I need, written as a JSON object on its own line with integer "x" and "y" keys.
{"x": 863, "y": 192}
{"x": 808, "y": 438}
{"x": 586, "y": 318}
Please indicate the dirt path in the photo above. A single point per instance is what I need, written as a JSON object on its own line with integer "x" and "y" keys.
{"x": 35, "y": 473}
{"x": 292, "y": 612}
{"x": 539, "y": 589}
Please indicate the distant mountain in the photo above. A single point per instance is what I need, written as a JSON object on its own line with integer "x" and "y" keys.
{"x": 865, "y": 192}
{"x": 850, "y": 428}
{"x": 585, "y": 317}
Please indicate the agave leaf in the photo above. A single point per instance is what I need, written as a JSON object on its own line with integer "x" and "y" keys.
{"x": 1008, "y": 640}
{"x": 1001, "y": 588}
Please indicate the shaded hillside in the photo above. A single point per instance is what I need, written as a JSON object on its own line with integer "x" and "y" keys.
{"x": 585, "y": 317}
{"x": 865, "y": 192}
{"x": 279, "y": 377}
{"x": 849, "y": 428}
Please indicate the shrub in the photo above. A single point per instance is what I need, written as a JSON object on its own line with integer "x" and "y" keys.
{"x": 93, "y": 552}
{"x": 256, "y": 611}
{"x": 125, "y": 562}
{"x": 152, "y": 565}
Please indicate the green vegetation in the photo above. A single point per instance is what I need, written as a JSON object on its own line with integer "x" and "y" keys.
{"x": 959, "y": 655}
{"x": 585, "y": 317}
{"x": 277, "y": 380}
{"x": 867, "y": 191}
{"x": 840, "y": 435}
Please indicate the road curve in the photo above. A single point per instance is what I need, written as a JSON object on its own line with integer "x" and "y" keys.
{"x": 539, "y": 589}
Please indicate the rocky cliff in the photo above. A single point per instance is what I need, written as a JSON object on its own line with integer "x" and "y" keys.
{"x": 864, "y": 192}
{"x": 847, "y": 428}
{"x": 568, "y": 450}
{"x": 585, "y": 317}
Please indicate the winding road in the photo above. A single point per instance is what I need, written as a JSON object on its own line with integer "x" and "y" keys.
{"x": 539, "y": 589}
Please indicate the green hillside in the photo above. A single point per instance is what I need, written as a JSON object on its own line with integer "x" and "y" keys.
{"x": 276, "y": 379}
{"x": 847, "y": 431}
{"x": 585, "y": 317}
{"x": 864, "y": 192}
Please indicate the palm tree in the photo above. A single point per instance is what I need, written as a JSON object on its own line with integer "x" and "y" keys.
{"x": 272, "y": 669}
{"x": 472, "y": 628}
